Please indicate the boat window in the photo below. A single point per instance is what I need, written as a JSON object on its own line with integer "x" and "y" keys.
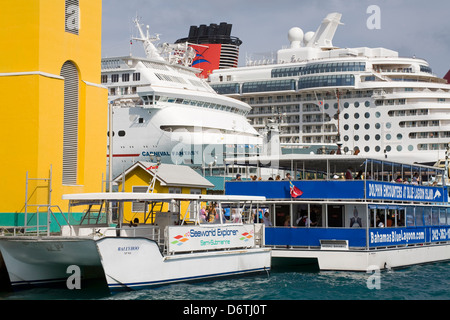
{"x": 409, "y": 216}
{"x": 335, "y": 215}
{"x": 435, "y": 216}
{"x": 426, "y": 216}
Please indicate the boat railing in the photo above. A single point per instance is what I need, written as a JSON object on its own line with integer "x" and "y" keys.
{"x": 146, "y": 231}
{"x": 98, "y": 231}
{"x": 49, "y": 212}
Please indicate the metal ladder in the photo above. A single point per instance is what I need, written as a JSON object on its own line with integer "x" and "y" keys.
{"x": 38, "y": 206}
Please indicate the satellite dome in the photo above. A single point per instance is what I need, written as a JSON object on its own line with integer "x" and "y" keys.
{"x": 308, "y": 36}
{"x": 295, "y": 36}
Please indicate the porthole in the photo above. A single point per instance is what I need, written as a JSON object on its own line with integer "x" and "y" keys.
{"x": 346, "y": 116}
{"x": 377, "y": 114}
{"x": 356, "y": 138}
{"x": 377, "y": 137}
{"x": 377, "y": 126}
{"x": 388, "y": 137}
{"x": 388, "y": 125}
{"x": 367, "y": 126}
{"x": 356, "y": 115}
{"x": 399, "y": 148}
{"x": 356, "y": 126}
{"x": 356, "y": 104}
{"x": 121, "y": 133}
{"x": 367, "y": 103}
{"x": 345, "y": 138}
{"x": 367, "y": 137}
{"x": 346, "y": 127}
{"x": 366, "y": 149}
{"x": 367, "y": 115}
{"x": 346, "y": 105}
{"x": 377, "y": 148}
{"x": 399, "y": 136}
{"x": 410, "y": 148}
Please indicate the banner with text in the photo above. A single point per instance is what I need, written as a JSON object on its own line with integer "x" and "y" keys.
{"x": 404, "y": 192}
{"x": 196, "y": 238}
{"x": 385, "y": 237}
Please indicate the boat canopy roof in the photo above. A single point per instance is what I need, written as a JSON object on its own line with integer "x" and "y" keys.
{"x": 158, "y": 197}
{"x": 325, "y": 163}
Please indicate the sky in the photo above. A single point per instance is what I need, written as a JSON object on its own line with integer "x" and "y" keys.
{"x": 419, "y": 28}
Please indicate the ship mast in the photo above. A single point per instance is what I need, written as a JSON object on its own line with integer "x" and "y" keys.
{"x": 150, "y": 50}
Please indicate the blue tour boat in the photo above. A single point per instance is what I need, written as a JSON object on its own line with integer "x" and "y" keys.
{"x": 351, "y": 212}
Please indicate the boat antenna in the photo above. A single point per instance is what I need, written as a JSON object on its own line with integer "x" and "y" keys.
{"x": 150, "y": 50}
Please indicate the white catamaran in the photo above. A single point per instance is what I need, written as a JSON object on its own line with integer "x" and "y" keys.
{"x": 173, "y": 246}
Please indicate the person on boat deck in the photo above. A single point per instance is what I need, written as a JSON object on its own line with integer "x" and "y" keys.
{"x": 238, "y": 177}
{"x": 266, "y": 219}
{"x": 203, "y": 214}
{"x": 236, "y": 216}
{"x": 415, "y": 179}
{"x": 288, "y": 176}
{"x": 287, "y": 221}
{"x": 349, "y": 174}
{"x": 380, "y": 223}
{"x": 359, "y": 175}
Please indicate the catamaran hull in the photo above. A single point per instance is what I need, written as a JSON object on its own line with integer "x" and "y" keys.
{"x": 363, "y": 260}
{"x": 38, "y": 261}
{"x": 138, "y": 263}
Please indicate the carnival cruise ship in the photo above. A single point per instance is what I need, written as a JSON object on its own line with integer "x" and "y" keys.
{"x": 367, "y": 101}
{"x": 162, "y": 111}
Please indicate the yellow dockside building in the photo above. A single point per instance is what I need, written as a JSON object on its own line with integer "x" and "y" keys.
{"x": 54, "y": 112}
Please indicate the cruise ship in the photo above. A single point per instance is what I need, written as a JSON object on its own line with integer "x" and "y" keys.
{"x": 161, "y": 111}
{"x": 367, "y": 101}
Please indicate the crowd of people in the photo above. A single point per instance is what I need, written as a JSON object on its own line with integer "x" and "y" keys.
{"x": 348, "y": 175}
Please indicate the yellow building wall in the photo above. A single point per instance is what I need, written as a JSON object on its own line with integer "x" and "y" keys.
{"x": 140, "y": 177}
{"x": 35, "y": 47}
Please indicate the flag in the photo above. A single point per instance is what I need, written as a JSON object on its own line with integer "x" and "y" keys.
{"x": 295, "y": 192}
{"x": 152, "y": 167}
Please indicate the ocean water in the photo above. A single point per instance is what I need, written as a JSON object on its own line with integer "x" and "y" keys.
{"x": 420, "y": 282}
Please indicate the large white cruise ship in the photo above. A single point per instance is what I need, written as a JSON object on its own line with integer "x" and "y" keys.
{"x": 369, "y": 101}
{"x": 162, "y": 111}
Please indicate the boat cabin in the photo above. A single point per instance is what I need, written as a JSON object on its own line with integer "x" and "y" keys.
{"x": 349, "y": 202}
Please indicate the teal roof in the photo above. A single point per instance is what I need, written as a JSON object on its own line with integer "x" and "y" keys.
{"x": 218, "y": 182}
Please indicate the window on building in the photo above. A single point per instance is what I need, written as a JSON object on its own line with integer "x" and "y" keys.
{"x": 136, "y": 76}
{"x": 70, "y": 134}
{"x": 138, "y": 206}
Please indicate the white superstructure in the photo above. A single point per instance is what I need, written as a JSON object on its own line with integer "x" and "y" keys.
{"x": 162, "y": 109}
{"x": 369, "y": 100}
